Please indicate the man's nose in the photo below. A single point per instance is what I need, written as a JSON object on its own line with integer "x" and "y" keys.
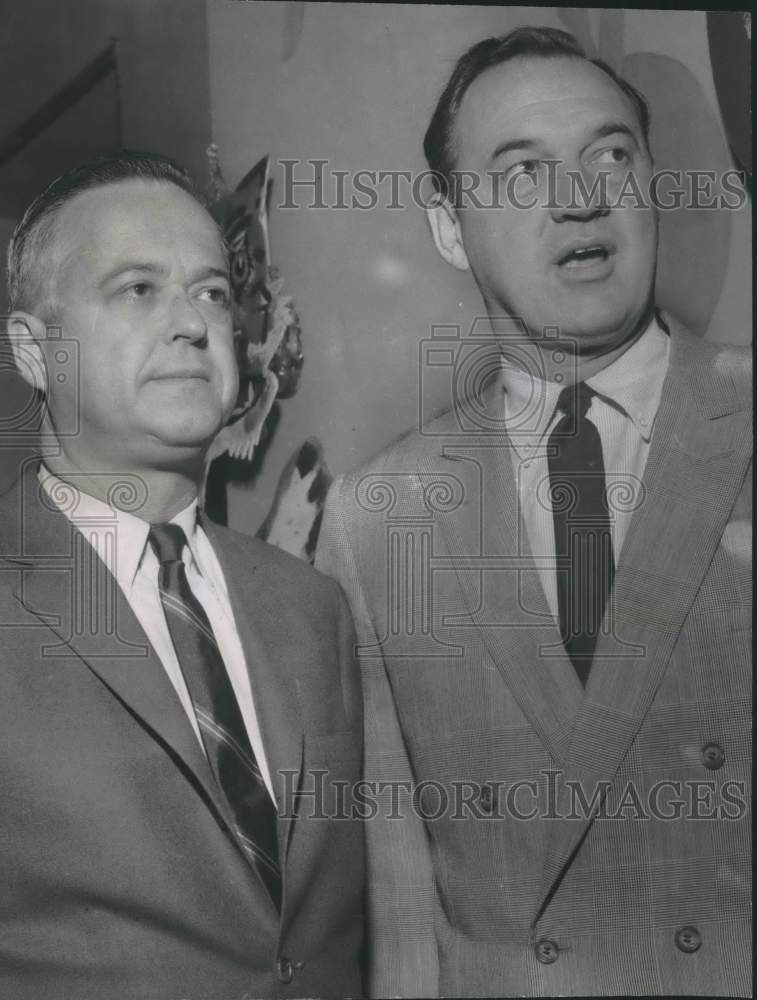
{"x": 578, "y": 194}
{"x": 186, "y": 320}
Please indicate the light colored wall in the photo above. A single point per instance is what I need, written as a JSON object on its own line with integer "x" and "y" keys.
{"x": 368, "y": 284}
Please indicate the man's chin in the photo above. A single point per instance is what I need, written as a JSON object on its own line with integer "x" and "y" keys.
{"x": 183, "y": 443}
{"x": 598, "y": 334}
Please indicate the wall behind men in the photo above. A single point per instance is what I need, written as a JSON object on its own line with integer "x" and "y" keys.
{"x": 358, "y": 91}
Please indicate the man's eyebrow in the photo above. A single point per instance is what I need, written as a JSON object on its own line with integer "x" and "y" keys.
{"x": 513, "y": 145}
{"x": 159, "y": 270}
{"x": 608, "y": 128}
{"x": 613, "y": 128}
{"x": 131, "y": 267}
{"x": 210, "y": 272}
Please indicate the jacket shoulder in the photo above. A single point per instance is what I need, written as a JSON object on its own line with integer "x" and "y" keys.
{"x": 721, "y": 373}
{"x": 736, "y": 360}
{"x": 252, "y": 555}
{"x": 405, "y": 453}
{"x": 727, "y": 373}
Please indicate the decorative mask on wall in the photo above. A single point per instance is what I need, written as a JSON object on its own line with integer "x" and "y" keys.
{"x": 268, "y": 344}
{"x": 266, "y": 327}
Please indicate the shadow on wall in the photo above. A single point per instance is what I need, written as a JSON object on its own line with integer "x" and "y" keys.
{"x": 685, "y": 133}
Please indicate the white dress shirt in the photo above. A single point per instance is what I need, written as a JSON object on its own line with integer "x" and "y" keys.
{"x": 135, "y": 567}
{"x": 623, "y": 411}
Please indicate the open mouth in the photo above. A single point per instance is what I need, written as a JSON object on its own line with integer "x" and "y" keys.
{"x": 582, "y": 255}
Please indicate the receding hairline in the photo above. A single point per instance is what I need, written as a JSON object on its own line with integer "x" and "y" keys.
{"x": 524, "y": 58}
{"x": 43, "y": 239}
{"x": 525, "y": 42}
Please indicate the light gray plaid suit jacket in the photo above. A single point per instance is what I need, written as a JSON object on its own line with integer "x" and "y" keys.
{"x": 469, "y": 694}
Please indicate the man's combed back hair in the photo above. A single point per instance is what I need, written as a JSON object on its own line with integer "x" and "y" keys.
{"x": 34, "y": 233}
{"x": 544, "y": 43}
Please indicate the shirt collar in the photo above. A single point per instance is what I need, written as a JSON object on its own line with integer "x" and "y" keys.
{"x": 633, "y": 383}
{"x": 98, "y": 522}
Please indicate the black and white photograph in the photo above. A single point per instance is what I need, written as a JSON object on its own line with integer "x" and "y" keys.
{"x": 375, "y": 501}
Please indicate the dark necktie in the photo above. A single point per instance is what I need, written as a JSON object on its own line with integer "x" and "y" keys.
{"x": 583, "y": 543}
{"x": 224, "y": 736}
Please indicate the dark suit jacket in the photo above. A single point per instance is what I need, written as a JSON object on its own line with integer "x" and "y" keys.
{"x": 119, "y": 877}
{"x": 469, "y": 690}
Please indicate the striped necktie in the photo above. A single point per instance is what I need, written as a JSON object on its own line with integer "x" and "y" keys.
{"x": 224, "y": 735}
{"x": 583, "y": 543}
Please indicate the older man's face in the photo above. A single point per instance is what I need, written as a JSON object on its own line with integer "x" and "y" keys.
{"x": 589, "y": 269}
{"x": 141, "y": 284}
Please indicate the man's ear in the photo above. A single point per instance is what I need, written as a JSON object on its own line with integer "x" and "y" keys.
{"x": 445, "y": 229}
{"x": 25, "y": 332}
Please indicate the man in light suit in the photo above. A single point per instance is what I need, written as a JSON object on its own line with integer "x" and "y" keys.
{"x": 551, "y": 581}
{"x": 176, "y": 699}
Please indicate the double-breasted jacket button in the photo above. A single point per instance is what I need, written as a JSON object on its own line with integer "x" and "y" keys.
{"x": 546, "y": 951}
{"x": 688, "y": 940}
{"x": 713, "y": 756}
{"x": 285, "y": 969}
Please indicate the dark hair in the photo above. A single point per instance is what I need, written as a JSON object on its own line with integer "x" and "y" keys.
{"x": 527, "y": 41}
{"x": 34, "y": 232}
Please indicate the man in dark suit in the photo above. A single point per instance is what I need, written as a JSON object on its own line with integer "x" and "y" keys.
{"x": 552, "y": 580}
{"x": 176, "y": 699}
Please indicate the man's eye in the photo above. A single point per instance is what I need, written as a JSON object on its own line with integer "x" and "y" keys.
{"x": 218, "y": 296}
{"x": 527, "y": 168}
{"x": 137, "y": 290}
{"x": 616, "y": 156}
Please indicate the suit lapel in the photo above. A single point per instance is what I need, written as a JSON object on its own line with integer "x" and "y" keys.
{"x": 515, "y": 621}
{"x": 65, "y": 586}
{"x": 123, "y": 659}
{"x": 696, "y": 466}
